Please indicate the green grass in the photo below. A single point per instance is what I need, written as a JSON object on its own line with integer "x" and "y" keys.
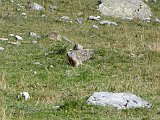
{"x": 126, "y": 59}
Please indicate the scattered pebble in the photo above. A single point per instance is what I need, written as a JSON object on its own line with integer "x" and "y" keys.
{"x": 18, "y": 37}
{"x": 66, "y": 19}
{"x": 157, "y": 20}
{"x": 24, "y": 95}
{"x": 35, "y": 6}
{"x": 12, "y": 35}
{"x": 14, "y": 43}
{"x": 37, "y": 63}
{"x": 79, "y": 20}
{"x": 3, "y": 39}
{"x": 94, "y": 18}
{"x": 35, "y": 35}
{"x": 34, "y": 42}
{"x": 95, "y": 26}
{"x": 35, "y": 72}
{"x": 24, "y": 14}
{"x": 1, "y": 48}
{"x": 108, "y": 23}
{"x": 53, "y": 7}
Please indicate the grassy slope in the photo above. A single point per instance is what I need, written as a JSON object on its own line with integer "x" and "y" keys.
{"x": 126, "y": 60}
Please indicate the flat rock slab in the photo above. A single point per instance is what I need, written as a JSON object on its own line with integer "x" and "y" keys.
{"x": 117, "y": 100}
{"x": 76, "y": 57}
{"x": 125, "y": 9}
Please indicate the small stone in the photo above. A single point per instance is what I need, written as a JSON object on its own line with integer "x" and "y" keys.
{"x": 12, "y": 35}
{"x": 55, "y": 36}
{"x": 37, "y": 63}
{"x": 35, "y": 6}
{"x": 14, "y": 43}
{"x": 66, "y": 19}
{"x": 79, "y": 20}
{"x": 157, "y": 20}
{"x": 95, "y": 26}
{"x": 34, "y": 35}
{"x": 3, "y": 39}
{"x": 53, "y": 7}
{"x": 1, "y": 48}
{"x": 94, "y": 18}
{"x": 108, "y": 23}
{"x": 34, "y": 42}
{"x": 24, "y": 95}
{"x": 78, "y": 47}
{"x": 11, "y": 1}
{"x": 24, "y": 14}
{"x": 18, "y": 37}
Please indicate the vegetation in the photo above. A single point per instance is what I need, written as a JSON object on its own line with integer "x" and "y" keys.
{"x": 126, "y": 59}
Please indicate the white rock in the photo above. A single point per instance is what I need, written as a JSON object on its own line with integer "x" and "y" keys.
{"x": 65, "y": 18}
{"x": 14, "y": 43}
{"x": 11, "y": 1}
{"x": 3, "y": 39}
{"x": 37, "y": 63}
{"x": 95, "y": 26}
{"x": 94, "y": 18}
{"x": 157, "y": 20}
{"x": 79, "y": 20}
{"x": 35, "y": 35}
{"x": 108, "y": 22}
{"x": 25, "y": 95}
{"x": 12, "y": 35}
{"x": 18, "y": 37}
{"x": 34, "y": 42}
{"x": 1, "y": 48}
{"x": 24, "y": 14}
{"x": 117, "y": 100}
{"x": 35, "y": 6}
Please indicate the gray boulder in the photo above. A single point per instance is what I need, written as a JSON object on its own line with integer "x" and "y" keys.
{"x": 76, "y": 57}
{"x": 117, "y": 100}
{"x": 125, "y": 9}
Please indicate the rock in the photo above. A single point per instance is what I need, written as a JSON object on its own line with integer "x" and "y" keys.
{"x": 55, "y": 36}
{"x": 35, "y": 6}
{"x": 24, "y": 95}
{"x": 1, "y": 48}
{"x": 34, "y": 42}
{"x": 78, "y": 47}
{"x": 14, "y": 43}
{"x": 94, "y": 18}
{"x": 18, "y": 37}
{"x": 76, "y": 57}
{"x": 11, "y": 1}
{"x": 79, "y": 20}
{"x": 125, "y": 8}
{"x": 34, "y": 35}
{"x": 53, "y": 7}
{"x": 66, "y": 19}
{"x": 3, "y": 39}
{"x": 108, "y": 23}
{"x": 12, "y": 35}
{"x": 23, "y": 14}
{"x": 95, "y": 26}
{"x": 117, "y": 100}
{"x": 157, "y": 20}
